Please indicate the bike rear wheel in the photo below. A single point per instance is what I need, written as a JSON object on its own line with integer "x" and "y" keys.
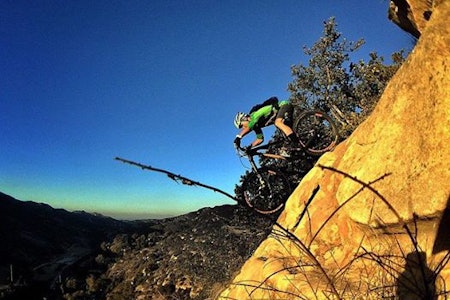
{"x": 316, "y": 131}
{"x": 266, "y": 191}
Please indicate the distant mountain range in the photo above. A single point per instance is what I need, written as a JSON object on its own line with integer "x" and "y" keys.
{"x": 38, "y": 241}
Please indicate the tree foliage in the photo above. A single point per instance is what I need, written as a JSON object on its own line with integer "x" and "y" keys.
{"x": 325, "y": 79}
{"x": 348, "y": 91}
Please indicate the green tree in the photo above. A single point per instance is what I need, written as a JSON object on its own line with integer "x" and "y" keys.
{"x": 325, "y": 80}
{"x": 348, "y": 91}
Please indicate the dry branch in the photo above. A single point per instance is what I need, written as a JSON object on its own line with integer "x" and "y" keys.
{"x": 176, "y": 177}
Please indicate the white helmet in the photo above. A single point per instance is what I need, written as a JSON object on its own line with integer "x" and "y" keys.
{"x": 238, "y": 119}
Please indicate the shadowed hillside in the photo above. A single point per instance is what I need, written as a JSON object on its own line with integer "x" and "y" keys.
{"x": 39, "y": 242}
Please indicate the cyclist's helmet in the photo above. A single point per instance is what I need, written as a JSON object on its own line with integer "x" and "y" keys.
{"x": 238, "y": 119}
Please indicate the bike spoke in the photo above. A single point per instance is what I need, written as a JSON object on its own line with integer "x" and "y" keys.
{"x": 316, "y": 131}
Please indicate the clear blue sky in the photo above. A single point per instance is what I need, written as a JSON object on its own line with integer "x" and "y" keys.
{"x": 157, "y": 82}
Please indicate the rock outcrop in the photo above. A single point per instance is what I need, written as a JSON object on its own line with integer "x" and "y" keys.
{"x": 371, "y": 219}
{"x": 411, "y": 15}
{"x": 186, "y": 257}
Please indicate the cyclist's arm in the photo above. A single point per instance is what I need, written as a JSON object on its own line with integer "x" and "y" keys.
{"x": 259, "y": 137}
{"x": 256, "y": 142}
{"x": 244, "y": 131}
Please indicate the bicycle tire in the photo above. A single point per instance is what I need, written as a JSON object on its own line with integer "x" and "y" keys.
{"x": 316, "y": 131}
{"x": 269, "y": 196}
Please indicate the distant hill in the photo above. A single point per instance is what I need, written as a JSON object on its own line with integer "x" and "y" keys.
{"x": 38, "y": 241}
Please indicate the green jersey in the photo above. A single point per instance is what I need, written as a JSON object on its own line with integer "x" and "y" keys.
{"x": 263, "y": 117}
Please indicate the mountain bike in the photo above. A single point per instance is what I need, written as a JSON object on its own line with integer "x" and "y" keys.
{"x": 267, "y": 188}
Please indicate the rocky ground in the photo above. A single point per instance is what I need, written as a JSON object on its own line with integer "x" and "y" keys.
{"x": 188, "y": 257}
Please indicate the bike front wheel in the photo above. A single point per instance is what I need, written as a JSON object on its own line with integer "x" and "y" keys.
{"x": 316, "y": 131}
{"x": 266, "y": 190}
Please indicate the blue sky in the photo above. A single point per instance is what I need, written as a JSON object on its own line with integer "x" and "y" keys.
{"x": 157, "y": 82}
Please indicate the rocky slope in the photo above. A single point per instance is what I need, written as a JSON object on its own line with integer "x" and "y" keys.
{"x": 62, "y": 255}
{"x": 378, "y": 225}
{"x": 186, "y": 257}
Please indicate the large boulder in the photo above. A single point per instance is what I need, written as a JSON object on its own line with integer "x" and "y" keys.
{"x": 371, "y": 219}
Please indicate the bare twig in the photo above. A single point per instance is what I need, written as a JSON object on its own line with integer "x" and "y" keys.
{"x": 308, "y": 252}
{"x": 403, "y": 223}
{"x": 316, "y": 189}
{"x": 177, "y": 177}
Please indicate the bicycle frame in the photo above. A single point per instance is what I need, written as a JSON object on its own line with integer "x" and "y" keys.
{"x": 258, "y": 151}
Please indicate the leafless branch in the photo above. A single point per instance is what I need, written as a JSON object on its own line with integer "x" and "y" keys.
{"x": 177, "y": 177}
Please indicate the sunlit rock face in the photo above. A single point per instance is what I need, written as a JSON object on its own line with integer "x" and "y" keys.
{"x": 372, "y": 219}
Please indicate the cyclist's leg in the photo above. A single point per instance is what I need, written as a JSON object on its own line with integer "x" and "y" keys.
{"x": 279, "y": 123}
{"x": 285, "y": 113}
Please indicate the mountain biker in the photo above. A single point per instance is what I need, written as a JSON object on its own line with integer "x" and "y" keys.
{"x": 270, "y": 112}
